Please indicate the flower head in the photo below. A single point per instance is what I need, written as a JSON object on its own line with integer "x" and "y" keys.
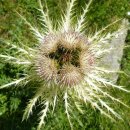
{"x": 63, "y": 58}
{"x": 69, "y": 60}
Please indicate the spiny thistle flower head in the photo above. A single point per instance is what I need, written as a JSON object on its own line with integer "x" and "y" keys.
{"x": 66, "y": 63}
{"x": 63, "y": 58}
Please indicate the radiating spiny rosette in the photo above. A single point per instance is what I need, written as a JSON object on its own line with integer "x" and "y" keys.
{"x": 65, "y": 65}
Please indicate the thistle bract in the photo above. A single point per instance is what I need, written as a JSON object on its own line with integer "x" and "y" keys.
{"x": 66, "y": 62}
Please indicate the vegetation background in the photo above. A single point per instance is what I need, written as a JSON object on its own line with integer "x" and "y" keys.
{"x": 13, "y": 29}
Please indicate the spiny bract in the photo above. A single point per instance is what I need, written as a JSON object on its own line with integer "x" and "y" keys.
{"x": 66, "y": 63}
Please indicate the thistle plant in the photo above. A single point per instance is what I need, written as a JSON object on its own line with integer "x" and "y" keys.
{"x": 66, "y": 63}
